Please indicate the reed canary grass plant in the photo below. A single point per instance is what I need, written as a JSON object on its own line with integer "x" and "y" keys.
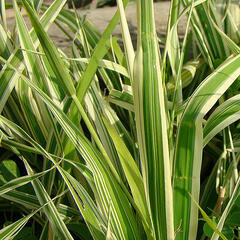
{"x": 120, "y": 144}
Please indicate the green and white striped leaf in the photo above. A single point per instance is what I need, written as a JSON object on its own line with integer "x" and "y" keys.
{"x": 235, "y": 195}
{"x": 123, "y": 223}
{"x": 10, "y": 231}
{"x": 51, "y": 52}
{"x": 105, "y": 64}
{"x": 50, "y": 209}
{"x": 111, "y": 115}
{"x": 31, "y": 60}
{"x": 151, "y": 123}
{"x": 229, "y": 42}
{"x": 209, "y": 221}
{"x": 42, "y": 194}
{"x": 30, "y": 108}
{"x": 122, "y": 215}
{"x": 133, "y": 175}
{"x": 187, "y": 74}
{"x": 187, "y": 175}
{"x": 95, "y": 107}
{"x": 36, "y": 73}
{"x": 224, "y": 115}
{"x": 214, "y": 42}
{"x": 94, "y": 220}
{"x": 99, "y": 52}
{"x": 9, "y": 77}
{"x": 31, "y": 202}
{"x": 3, "y": 14}
{"x": 5, "y": 43}
{"x": 126, "y": 38}
{"x": 18, "y": 182}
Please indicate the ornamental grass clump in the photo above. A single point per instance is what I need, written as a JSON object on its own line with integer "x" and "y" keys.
{"x": 113, "y": 144}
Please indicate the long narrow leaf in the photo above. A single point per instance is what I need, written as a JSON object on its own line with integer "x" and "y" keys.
{"x": 18, "y": 182}
{"x": 151, "y": 122}
{"x": 187, "y": 175}
{"x": 51, "y": 52}
{"x": 226, "y": 114}
{"x": 50, "y": 209}
{"x": 99, "y": 52}
{"x": 122, "y": 218}
{"x": 9, "y": 77}
{"x": 132, "y": 173}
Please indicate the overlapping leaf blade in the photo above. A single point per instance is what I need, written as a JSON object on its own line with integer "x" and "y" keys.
{"x": 187, "y": 175}
{"x": 151, "y": 122}
{"x": 51, "y": 52}
{"x": 123, "y": 223}
{"x": 223, "y": 116}
{"x": 50, "y": 209}
{"x": 9, "y": 77}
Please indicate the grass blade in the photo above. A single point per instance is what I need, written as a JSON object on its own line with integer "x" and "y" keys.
{"x": 123, "y": 223}
{"x": 9, "y": 77}
{"x": 15, "y": 183}
{"x": 151, "y": 122}
{"x": 50, "y": 209}
{"x": 133, "y": 175}
{"x": 126, "y": 37}
{"x": 226, "y": 114}
{"x": 99, "y": 52}
{"x": 209, "y": 221}
{"x": 187, "y": 176}
{"x": 235, "y": 195}
{"x": 51, "y": 52}
{"x": 12, "y": 230}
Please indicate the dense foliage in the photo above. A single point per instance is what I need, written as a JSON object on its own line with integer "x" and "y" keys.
{"x": 98, "y": 4}
{"x": 120, "y": 144}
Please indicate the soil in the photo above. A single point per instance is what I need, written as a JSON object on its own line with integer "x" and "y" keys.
{"x": 100, "y": 18}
